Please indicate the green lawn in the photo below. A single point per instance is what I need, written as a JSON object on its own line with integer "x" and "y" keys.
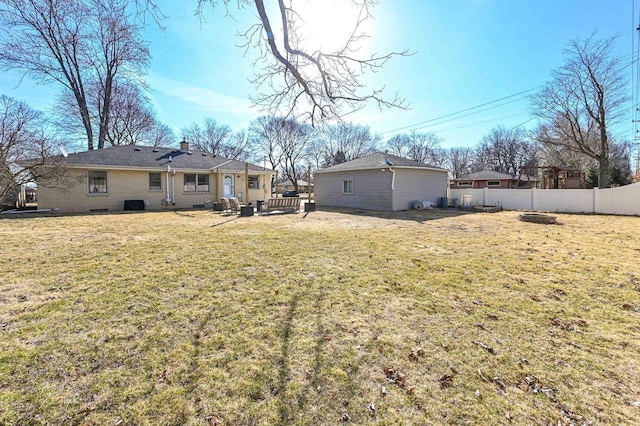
{"x": 331, "y": 317}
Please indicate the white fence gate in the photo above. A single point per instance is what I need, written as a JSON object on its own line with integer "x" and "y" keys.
{"x": 623, "y": 200}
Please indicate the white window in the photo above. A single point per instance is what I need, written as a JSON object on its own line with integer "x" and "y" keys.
{"x": 203, "y": 183}
{"x": 347, "y": 186}
{"x": 466, "y": 183}
{"x": 155, "y": 181}
{"x": 97, "y": 182}
{"x": 493, "y": 183}
{"x": 254, "y": 182}
{"x": 196, "y": 182}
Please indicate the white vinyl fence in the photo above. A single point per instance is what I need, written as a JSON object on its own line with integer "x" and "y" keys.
{"x": 624, "y": 200}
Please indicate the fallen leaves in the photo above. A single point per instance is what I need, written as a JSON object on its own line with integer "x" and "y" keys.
{"x": 416, "y": 353}
{"x": 485, "y": 347}
{"x": 446, "y": 380}
{"x": 568, "y": 325}
{"x": 214, "y": 421}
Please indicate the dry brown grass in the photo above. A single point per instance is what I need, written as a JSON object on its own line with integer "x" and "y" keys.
{"x": 197, "y": 318}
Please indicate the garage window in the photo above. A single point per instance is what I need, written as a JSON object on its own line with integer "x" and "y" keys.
{"x": 347, "y": 186}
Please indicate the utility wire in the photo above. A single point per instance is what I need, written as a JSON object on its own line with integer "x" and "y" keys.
{"x": 459, "y": 112}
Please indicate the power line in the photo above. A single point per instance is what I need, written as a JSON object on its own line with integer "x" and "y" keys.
{"x": 475, "y": 109}
{"x": 460, "y": 112}
{"x": 474, "y": 124}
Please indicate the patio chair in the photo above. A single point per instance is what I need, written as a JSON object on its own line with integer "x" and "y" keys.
{"x": 226, "y": 205}
{"x": 235, "y": 204}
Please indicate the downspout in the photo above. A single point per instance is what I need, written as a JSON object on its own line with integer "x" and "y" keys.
{"x": 173, "y": 187}
{"x": 168, "y": 199}
{"x": 393, "y": 179}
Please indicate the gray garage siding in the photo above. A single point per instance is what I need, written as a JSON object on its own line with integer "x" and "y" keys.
{"x": 414, "y": 184}
{"x": 371, "y": 189}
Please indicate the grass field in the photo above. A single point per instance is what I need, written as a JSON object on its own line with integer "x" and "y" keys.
{"x": 331, "y": 317}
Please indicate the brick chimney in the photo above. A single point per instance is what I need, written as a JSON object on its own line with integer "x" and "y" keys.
{"x": 184, "y": 145}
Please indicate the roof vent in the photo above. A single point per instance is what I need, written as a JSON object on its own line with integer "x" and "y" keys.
{"x": 204, "y": 154}
{"x": 136, "y": 149}
{"x": 156, "y": 150}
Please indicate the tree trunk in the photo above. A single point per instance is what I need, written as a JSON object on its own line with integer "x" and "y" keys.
{"x": 603, "y": 178}
{"x": 106, "y": 111}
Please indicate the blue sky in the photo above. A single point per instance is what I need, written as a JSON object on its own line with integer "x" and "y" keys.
{"x": 467, "y": 53}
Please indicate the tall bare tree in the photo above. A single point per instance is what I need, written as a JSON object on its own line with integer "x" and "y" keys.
{"x": 161, "y": 135}
{"x": 208, "y": 138}
{"x": 582, "y": 101}
{"x": 81, "y": 45}
{"x": 504, "y": 150}
{"x": 283, "y": 142}
{"x": 293, "y": 145}
{"x": 423, "y": 147}
{"x": 131, "y": 117}
{"x": 217, "y": 139}
{"x": 307, "y": 82}
{"x": 265, "y": 133}
{"x": 459, "y": 161}
{"x": 346, "y": 141}
{"x": 26, "y": 151}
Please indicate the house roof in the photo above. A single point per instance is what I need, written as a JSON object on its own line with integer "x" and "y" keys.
{"x": 378, "y": 160}
{"x": 135, "y": 156}
{"x": 485, "y": 175}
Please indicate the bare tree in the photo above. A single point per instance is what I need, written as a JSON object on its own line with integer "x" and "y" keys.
{"x": 316, "y": 152}
{"x": 237, "y": 146}
{"x": 132, "y": 119}
{"x": 209, "y": 138}
{"x": 25, "y": 149}
{"x": 307, "y": 82}
{"x": 583, "y": 100}
{"x": 265, "y": 133}
{"x": 283, "y": 142}
{"x": 459, "y": 161}
{"x": 423, "y": 147}
{"x": 293, "y": 145}
{"x": 217, "y": 139}
{"x": 160, "y": 135}
{"x": 345, "y": 142}
{"x": 82, "y": 45}
{"x": 504, "y": 150}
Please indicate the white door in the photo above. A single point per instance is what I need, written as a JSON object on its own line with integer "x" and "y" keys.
{"x": 228, "y": 189}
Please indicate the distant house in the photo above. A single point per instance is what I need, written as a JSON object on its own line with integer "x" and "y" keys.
{"x": 303, "y": 186}
{"x": 379, "y": 181}
{"x": 493, "y": 179}
{"x": 157, "y": 178}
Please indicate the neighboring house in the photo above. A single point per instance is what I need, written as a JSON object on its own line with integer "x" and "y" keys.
{"x": 163, "y": 178}
{"x": 303, "y": 186}
{"x": 379, "y": 181}
{"x": 492, "y": 179}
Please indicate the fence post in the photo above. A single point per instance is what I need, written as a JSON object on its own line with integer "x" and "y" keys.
{"x": 534, "y": 199}
{"x": 595, "y": 200}
{"x": 484, "y": 196}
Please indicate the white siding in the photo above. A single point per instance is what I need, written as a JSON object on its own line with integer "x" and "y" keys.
{"x": 624, "y": 200}
{"x": 371, "y": 189}
{"x": 418, "y": 185}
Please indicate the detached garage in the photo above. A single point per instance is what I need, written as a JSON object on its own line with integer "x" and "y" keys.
{"x": 380, "y": 181}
